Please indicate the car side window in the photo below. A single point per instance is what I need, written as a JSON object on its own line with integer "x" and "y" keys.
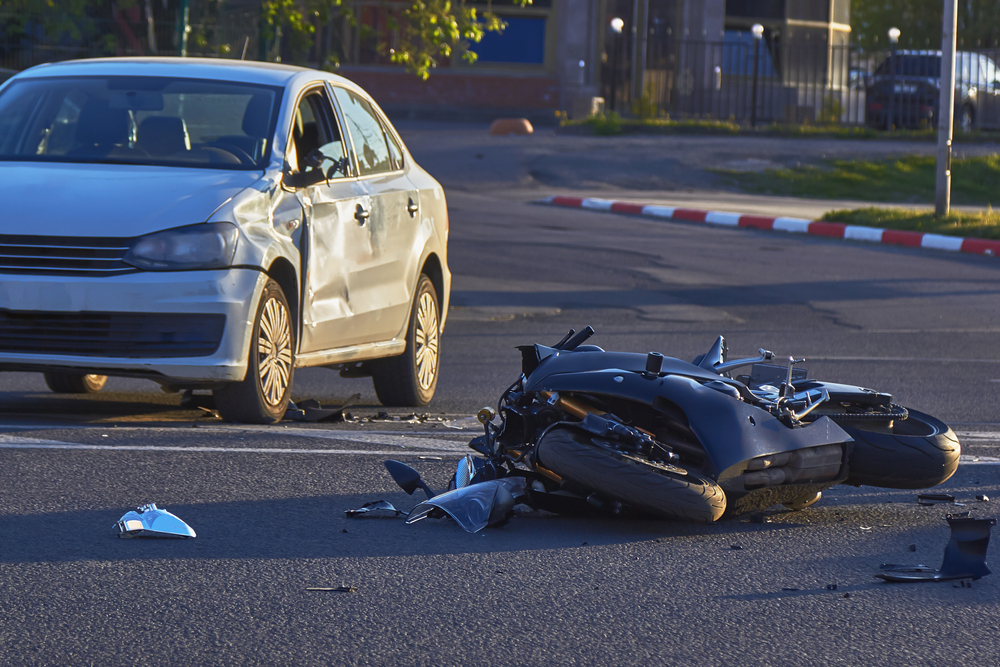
{"x": 395, "y": 151}
{"x": 366, "y": 132}
{"x": 314, "y": 128}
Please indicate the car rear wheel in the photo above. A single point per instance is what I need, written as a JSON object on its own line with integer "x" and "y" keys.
{"x": 262, "y": 396}
{"x": 75, "y": 383}
{"x": 411, "y": 378}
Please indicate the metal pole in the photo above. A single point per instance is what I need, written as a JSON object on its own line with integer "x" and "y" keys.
{"x": 946, "y": 107}
{"x": 614, "y": 70}
{"x": 890, "y": 120}
{"x": 756, "y": 63}
{"x": 640, "y": 36}
{"x": 183, "y": 27}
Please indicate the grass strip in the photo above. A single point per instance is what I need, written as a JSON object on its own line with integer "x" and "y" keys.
{"x": 984, "y": 225}
{"x": 975, "y": 181}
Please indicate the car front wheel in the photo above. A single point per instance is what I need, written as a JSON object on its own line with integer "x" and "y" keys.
{"x": 75, "y": 383}
{"x": 411, "y": 378}
{"x": 262, "y": 396}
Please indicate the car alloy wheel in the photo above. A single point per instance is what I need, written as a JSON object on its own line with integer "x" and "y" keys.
{"x": 411, "y": 378}
{"x": 262, "y": 396}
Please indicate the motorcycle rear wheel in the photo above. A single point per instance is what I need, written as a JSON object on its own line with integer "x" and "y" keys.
{"x": 666, "y": 491}
{"x": 920, "y": 452}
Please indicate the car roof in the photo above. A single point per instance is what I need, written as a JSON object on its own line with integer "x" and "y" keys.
{"x": 242, "y": 71}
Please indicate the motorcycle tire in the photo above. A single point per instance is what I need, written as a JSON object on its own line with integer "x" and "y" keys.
{"x": 920, "y": 452}
{"x": 658, "y": 489}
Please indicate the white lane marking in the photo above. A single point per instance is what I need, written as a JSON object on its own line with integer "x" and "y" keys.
{"x": 978, "y": 435}
{"x": 404, "y": 445}
{"x": 978, "y": 460}
{"x": 908, "y": 359}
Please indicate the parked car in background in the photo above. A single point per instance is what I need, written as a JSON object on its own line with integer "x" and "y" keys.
{"x": 215, "y": 224}
{"x": 905, "y": 88}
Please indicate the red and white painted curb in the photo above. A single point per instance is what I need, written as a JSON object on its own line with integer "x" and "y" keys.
{"x": 837, "y": 230}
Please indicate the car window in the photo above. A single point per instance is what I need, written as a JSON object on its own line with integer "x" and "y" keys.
{"x": 395, "y": 151}
{"x": 138, "y": 120}
{"x": 366, "y": 132}
{"x": 912, "y": 65}
{"x": 313, "y": 129}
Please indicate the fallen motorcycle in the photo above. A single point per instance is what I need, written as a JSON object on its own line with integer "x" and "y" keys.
{"x": 585, "y": 430}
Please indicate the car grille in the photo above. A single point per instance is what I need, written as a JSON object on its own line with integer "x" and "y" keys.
{"x": 132, "y": 335}
{"x": 64, "y": 255}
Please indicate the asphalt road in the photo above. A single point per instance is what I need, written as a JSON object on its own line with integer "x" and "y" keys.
{"x": 267, "y": 502}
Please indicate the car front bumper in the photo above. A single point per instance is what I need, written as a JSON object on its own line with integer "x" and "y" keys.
{"x": 176, "y": 328}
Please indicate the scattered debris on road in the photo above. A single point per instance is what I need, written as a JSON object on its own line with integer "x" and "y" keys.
{"x": 375, "y": 508}
{"x": 964, "y": 555}
{"x": 338, "y": 589}
{"x": 150, "y": 521}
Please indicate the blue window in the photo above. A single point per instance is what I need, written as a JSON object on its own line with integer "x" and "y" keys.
{"x": 522, "y": 41}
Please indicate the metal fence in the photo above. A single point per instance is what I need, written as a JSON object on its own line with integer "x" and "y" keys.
{"x": 765, "y": 82}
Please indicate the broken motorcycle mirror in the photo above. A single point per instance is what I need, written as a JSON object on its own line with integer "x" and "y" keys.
{"x": 150, "y": 521}
{"x": 407, "y": 478}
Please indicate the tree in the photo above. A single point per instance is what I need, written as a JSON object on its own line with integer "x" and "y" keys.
{"x": 919, "y": 22}
{"x": 425, "y": 30}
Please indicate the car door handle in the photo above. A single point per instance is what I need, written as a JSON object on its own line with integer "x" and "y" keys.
{"x": 361, "y": 214}
{"x": 412, "y": 208}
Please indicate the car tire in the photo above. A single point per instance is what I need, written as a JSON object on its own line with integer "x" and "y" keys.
{"x": 411, "y": 378}
{"x": 666, "y": 491}
{"x": 75, "y": 383}
{"x": 262, "y": 396}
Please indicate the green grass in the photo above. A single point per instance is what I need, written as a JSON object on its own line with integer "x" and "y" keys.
{"x": 613, "y": 124}
{"x": 975, "y": 181}
{"x": 957, "y": 223}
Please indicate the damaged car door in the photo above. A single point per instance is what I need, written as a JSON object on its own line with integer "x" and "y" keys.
{"x": 331, "y": 241}
{"x": 386, "y": 281}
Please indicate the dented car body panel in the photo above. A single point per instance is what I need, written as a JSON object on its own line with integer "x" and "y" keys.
{"x": 350, "y": 281}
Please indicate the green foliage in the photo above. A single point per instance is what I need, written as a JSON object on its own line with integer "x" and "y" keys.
{"x": 919, "y": 22}
{"x": 975, "y": 180}
{"x": 605, "y": 124}
{"x": 646, "y": 107}
{"x": 425, "y": 30}
{"x": 984, "y": 225}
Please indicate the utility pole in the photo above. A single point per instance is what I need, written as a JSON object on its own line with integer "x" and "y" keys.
{"x": 183, "y": 27}
{"x": 946, "y": 110}
{"x": 640, "y": 36}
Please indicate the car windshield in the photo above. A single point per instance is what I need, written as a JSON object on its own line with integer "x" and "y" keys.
{"x": 138, "y": 120}
{"x": 911, "y": 65}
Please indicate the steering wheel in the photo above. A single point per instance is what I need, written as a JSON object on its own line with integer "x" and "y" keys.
{"x": 236, "y": 151}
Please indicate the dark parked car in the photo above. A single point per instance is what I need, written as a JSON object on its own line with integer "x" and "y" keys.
{"x": 905, "y": 88}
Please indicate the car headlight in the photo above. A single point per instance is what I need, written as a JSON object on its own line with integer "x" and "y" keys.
{"x": 203, "y": 246}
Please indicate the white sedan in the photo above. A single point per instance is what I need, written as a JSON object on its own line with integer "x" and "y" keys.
{"x": 215, "y": 224}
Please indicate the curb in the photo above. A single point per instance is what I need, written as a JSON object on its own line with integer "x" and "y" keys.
{"x": 837, "y": 230}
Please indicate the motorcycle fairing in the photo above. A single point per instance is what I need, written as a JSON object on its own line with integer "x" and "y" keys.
{"x": 475, "y": 506}
{"x": 730, "y": 430}
{"x": 552, "y": 362}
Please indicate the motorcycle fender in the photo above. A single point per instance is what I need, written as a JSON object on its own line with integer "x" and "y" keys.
{"x": 730, "y": 430}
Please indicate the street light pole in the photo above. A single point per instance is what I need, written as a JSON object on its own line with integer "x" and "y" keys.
{"x": 758, "y": 32}
{"x": 616, "y": 30}
{"x": 893, "y": 38}
{"x": 946, "y": 107}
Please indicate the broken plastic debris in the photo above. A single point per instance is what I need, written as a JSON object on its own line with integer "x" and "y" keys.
{"x": 150, "y": 521}
{"x": 377, "y": 508}
{"x": 310, "y": 410}
{"x": 338, "y": 589}
{"x": 964, "y": 556}
{"x": 935, "y": 498}
{"x": 983, "y": 498}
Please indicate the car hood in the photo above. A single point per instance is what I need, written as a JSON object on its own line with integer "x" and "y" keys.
{"x": 109, "y": 199}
